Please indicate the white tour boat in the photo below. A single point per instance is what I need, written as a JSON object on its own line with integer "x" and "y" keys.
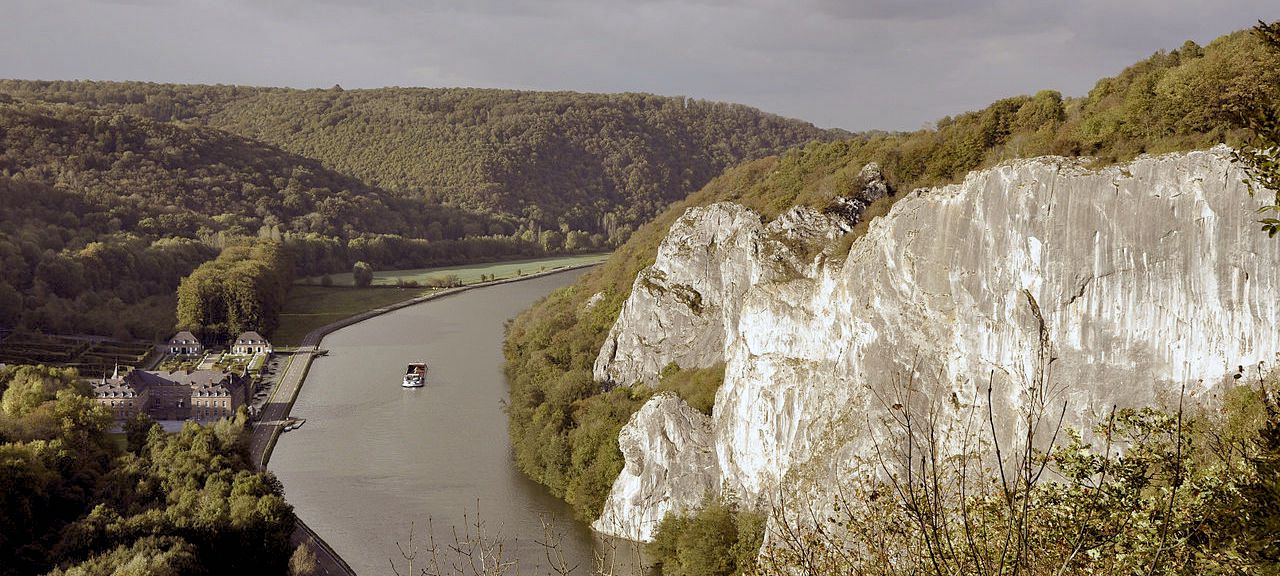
{"x": 415, "y": 376}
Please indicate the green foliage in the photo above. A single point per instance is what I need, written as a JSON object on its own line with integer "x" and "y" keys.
{"x": 53, "y": 454}
{"x": 717, "y": 540}
{"x": 243, "y": 289}
{"x": 1254, "y": 519}
{"x": 303, "y": 561}
{"x": 1152, "y": 493}
{"x": 136, "y": 430}
{"x": 445, "y": 281}
{"x": 29, "y": 387}
{"x": 361, "y": 275}
{"x": 147, "y": 556}
{"x": 179, "y": 503}
{"x": 564, "y": 427}
{"x": 696, "y": 386}
{"x": 1261, "y": 155}
{"x": 538, "y": 160}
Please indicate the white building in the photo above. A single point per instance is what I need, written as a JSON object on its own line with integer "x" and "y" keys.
{"x": 183, "y": 343}
{"x": 250, "y": 343}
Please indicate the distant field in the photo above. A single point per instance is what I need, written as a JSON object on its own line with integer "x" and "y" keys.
{"x": 310, "y": 307}
{"x": 468, "y": 274}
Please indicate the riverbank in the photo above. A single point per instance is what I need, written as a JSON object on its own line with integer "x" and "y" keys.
{"x": 465, "y": 273}
{"x": 275, "y": 412}
{"x": 311, "y": 305}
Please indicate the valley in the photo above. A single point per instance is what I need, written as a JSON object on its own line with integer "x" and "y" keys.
{"x": 661, "y": 334}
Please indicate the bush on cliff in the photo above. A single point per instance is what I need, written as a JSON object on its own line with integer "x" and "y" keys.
{"x": 718, "y": 540}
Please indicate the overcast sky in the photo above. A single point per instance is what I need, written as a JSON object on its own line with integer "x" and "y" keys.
{"x": 854, "y": 64}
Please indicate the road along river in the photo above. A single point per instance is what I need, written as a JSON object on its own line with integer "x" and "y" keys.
{"x": 374, "y": 457}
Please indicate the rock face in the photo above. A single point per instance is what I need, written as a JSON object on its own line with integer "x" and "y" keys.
{"x": 670, "y": 465}
{"x": 682, "y": 307}
{"x": 1134, "y": 280}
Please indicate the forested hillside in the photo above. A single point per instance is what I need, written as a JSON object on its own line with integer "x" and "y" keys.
{"x": 117, "y": 190}
{"x": 564, "y": 426}
{"x": 598, "y": 163}
{"x": 105, "y": 212}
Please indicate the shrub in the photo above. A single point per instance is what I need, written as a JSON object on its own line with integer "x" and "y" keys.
{"x": 717, "y": 540}
{"x": 696, "y": 386}
{"x": 362, "y": 274}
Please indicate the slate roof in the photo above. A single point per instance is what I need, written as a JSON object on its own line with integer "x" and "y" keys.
{"x": 118, "y": 388}
{"x": 250, "y": 338}
{"x": 184, "y": 337}
{"x": 201, "y": 382}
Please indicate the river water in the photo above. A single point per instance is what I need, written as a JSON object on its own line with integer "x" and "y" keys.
{"x": 373, "y": 458}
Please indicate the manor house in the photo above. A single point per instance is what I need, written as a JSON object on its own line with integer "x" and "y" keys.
{"x": 200, "y": 395}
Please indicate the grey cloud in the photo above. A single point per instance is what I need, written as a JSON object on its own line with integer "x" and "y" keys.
{"x": 855, "y": 64}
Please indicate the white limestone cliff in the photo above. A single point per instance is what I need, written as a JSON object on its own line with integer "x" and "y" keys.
{"x": 670, "y": 466}
{"x": 683, "y": 305}
{"x": 1136, "y": 279}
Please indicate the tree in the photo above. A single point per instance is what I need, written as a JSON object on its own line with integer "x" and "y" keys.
{"x": 303, "y": 561}
{"x": 362, "y": 274}
{"x": 10, "y": 304}
{"x": 243, "y": 289}
{"x": 1261, "y": 155}
{"x": 136, "y": 430}
{"x": 576, "y": 240}
{"x": 30, "y": 386}
{"x": 551, "y": 240}
{"x": 152, "y": 555}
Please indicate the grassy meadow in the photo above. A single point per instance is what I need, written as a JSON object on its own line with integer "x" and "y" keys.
{"x": 467, "y": 274}
{"x": 310, "y": 305}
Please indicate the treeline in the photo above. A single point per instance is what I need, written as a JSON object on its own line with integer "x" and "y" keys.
{"x": 243, "y": 289}
{"x": 596, "y": 163}
{"x": 161, "y": 179}
{"x": 69, "y": 268}
{"x": 314, "y": 255}
{"x": 564, "y": 425}
{"x": 73, "y": 502}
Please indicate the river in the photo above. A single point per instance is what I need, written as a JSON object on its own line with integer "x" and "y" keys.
{"x": 374, "y": 458}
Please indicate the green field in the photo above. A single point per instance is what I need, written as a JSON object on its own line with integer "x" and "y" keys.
{"x": 468, "y": 274}
{"x": 310, "y": 307}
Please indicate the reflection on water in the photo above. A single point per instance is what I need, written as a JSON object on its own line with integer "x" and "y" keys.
{"x": 375, "y": 458}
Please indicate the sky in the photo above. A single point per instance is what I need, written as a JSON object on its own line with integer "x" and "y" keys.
{"x": 853, "y": 64}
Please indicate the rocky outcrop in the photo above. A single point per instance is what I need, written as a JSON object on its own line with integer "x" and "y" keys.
{"x": 1041, "y": 278}
{"x": 682, "y": 307}
{"x": 670, "y": 466}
